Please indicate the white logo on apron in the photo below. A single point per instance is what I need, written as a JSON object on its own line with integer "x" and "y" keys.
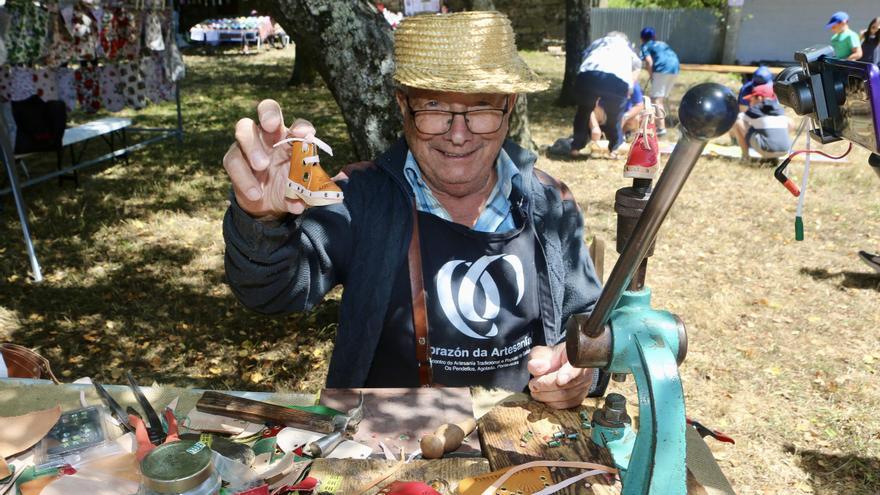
{"x": 461, "y": 308}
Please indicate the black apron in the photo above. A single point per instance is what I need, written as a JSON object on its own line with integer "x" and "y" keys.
{"x": 487, "y": 306}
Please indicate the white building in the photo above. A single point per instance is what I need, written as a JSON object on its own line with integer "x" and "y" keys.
{"x": 772, "y": 30}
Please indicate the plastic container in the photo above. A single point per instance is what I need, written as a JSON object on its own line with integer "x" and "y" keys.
{"x": 79, "y": 436}
{"x": 182, "y": 468}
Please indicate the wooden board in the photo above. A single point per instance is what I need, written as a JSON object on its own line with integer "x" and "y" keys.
{"x": 399, "y": 417}
{"x": 356, "y": 473}
{"x": 503, "y": 427}
{"x": 259, "y": 412}
{"x": 737, "y": 69}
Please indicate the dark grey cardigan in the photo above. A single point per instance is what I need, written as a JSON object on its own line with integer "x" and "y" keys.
{"x": 361, "y": 244}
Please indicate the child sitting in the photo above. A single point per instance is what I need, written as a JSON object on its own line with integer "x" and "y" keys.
{"x": 764, "y": 126}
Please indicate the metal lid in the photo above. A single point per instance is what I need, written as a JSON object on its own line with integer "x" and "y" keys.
{"x": 176, "y": 467}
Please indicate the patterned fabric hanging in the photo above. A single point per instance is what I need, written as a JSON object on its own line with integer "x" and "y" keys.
{"x": 5, "y": 82}
{"x": 86, "y": 35}
{"x": 88, "y": 91}
{"x": 112, "y": 87}
{"x": 173, "y": 60}
{"x": 153, "y": 39}
{"x": 61, "y": 49}
{"x": 151, "y": 68}
{"x": 121, "y": 33}
{"x": 28, "y": 30}
{"x": 64, "y": 79}
{"x": 133, "y": 83}
{"x": 22, "y": 83}
{"x": 46, "y": 84}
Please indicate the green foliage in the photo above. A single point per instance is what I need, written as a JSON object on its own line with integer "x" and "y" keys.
{"x": 668, "y": 4}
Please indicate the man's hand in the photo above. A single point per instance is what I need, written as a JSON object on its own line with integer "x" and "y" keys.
{"x": 556, "y": 382}
{"x": 258, "y": 170}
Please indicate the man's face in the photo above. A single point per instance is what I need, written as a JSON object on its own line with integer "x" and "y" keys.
{"x": 457, "y": 162}
{"x": 838, "y": 28}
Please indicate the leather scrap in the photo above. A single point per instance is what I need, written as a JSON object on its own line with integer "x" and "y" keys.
{"x": 19, "y": 433}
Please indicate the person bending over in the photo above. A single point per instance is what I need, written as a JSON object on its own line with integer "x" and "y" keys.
{"x": 606, "y": 72}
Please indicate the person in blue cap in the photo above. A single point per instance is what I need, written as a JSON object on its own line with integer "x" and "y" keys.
{"x": 845, "y": 42}
{"x": 760, "y": 77}
{"x": 661, "y": 62}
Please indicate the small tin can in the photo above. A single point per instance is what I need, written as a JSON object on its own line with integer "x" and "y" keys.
{"x": 182, "y": 467}
{"x": 554, "y": 443}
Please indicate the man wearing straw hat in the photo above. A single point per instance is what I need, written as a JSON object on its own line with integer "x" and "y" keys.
{"x": 460, "y": 261}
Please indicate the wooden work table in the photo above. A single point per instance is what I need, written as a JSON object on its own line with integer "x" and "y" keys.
{"x": 504, "y": 422}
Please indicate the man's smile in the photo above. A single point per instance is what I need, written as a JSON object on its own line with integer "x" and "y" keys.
{"x": 456, "y": 155}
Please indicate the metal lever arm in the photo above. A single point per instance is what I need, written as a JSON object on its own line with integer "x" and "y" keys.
{"x": 706, "y": 111}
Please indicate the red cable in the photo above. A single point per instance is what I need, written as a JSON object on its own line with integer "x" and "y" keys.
{"x": 789, "y": 184}
{"x": 820, "y": 152}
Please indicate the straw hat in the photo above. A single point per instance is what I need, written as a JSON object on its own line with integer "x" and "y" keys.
{"x": 465, "y": 52}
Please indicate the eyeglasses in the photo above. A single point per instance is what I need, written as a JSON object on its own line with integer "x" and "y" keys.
{"x": 436, "y": 122}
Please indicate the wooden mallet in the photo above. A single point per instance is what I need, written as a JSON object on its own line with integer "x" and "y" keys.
{"x": 446, "y": 438}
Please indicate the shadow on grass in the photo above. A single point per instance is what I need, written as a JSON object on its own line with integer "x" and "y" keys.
{"x": 849, "y": 474}
{"x": 849, "y": 280}
{"x": 139, "y": 319}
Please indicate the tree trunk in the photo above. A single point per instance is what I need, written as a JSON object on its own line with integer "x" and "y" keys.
{"x": 519, "y": 125}
{"x": 577, "y": 39}
{"x": 305, "y": 69}
{"x": 354, "y": 46}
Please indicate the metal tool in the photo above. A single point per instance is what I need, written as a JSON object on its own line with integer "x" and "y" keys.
{"x": 153, "y": 424}
{"x": 324, "y": 445}
{"x": 624, "y": 335}
{"x": 118, "y": 413}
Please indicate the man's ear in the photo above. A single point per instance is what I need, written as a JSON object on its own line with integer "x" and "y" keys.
{"x": 400, "y": 96}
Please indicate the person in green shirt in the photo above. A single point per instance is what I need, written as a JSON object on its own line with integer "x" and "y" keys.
{"x": 845, "y": 42}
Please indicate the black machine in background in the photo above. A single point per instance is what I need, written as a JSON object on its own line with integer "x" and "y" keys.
{"x": 841, "y": 96}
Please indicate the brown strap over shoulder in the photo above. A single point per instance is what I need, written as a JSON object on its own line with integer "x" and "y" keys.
{"x": 549, "y": 180}
{"x": 419, "y": 306}
{"x": 357, "y": 166}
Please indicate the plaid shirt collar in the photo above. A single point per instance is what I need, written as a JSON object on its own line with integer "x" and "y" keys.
{"x": 496, "y": 216}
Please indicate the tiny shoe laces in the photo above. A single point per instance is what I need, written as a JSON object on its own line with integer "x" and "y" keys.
{"x": 306, "y": 180}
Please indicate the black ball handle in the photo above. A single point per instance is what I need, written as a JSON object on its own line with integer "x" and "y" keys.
{"x": 707, "y": 110}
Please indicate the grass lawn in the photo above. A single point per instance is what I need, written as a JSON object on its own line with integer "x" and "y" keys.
{"x": 784, "y": 340}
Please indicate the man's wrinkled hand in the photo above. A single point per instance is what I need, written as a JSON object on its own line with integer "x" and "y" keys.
{"x": 258, "y": 170}
{"x": 556, "y": 382}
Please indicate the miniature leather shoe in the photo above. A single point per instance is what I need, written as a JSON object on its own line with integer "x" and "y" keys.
{"x": 306, "y": 180}
{"x": 644, "y": 153}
